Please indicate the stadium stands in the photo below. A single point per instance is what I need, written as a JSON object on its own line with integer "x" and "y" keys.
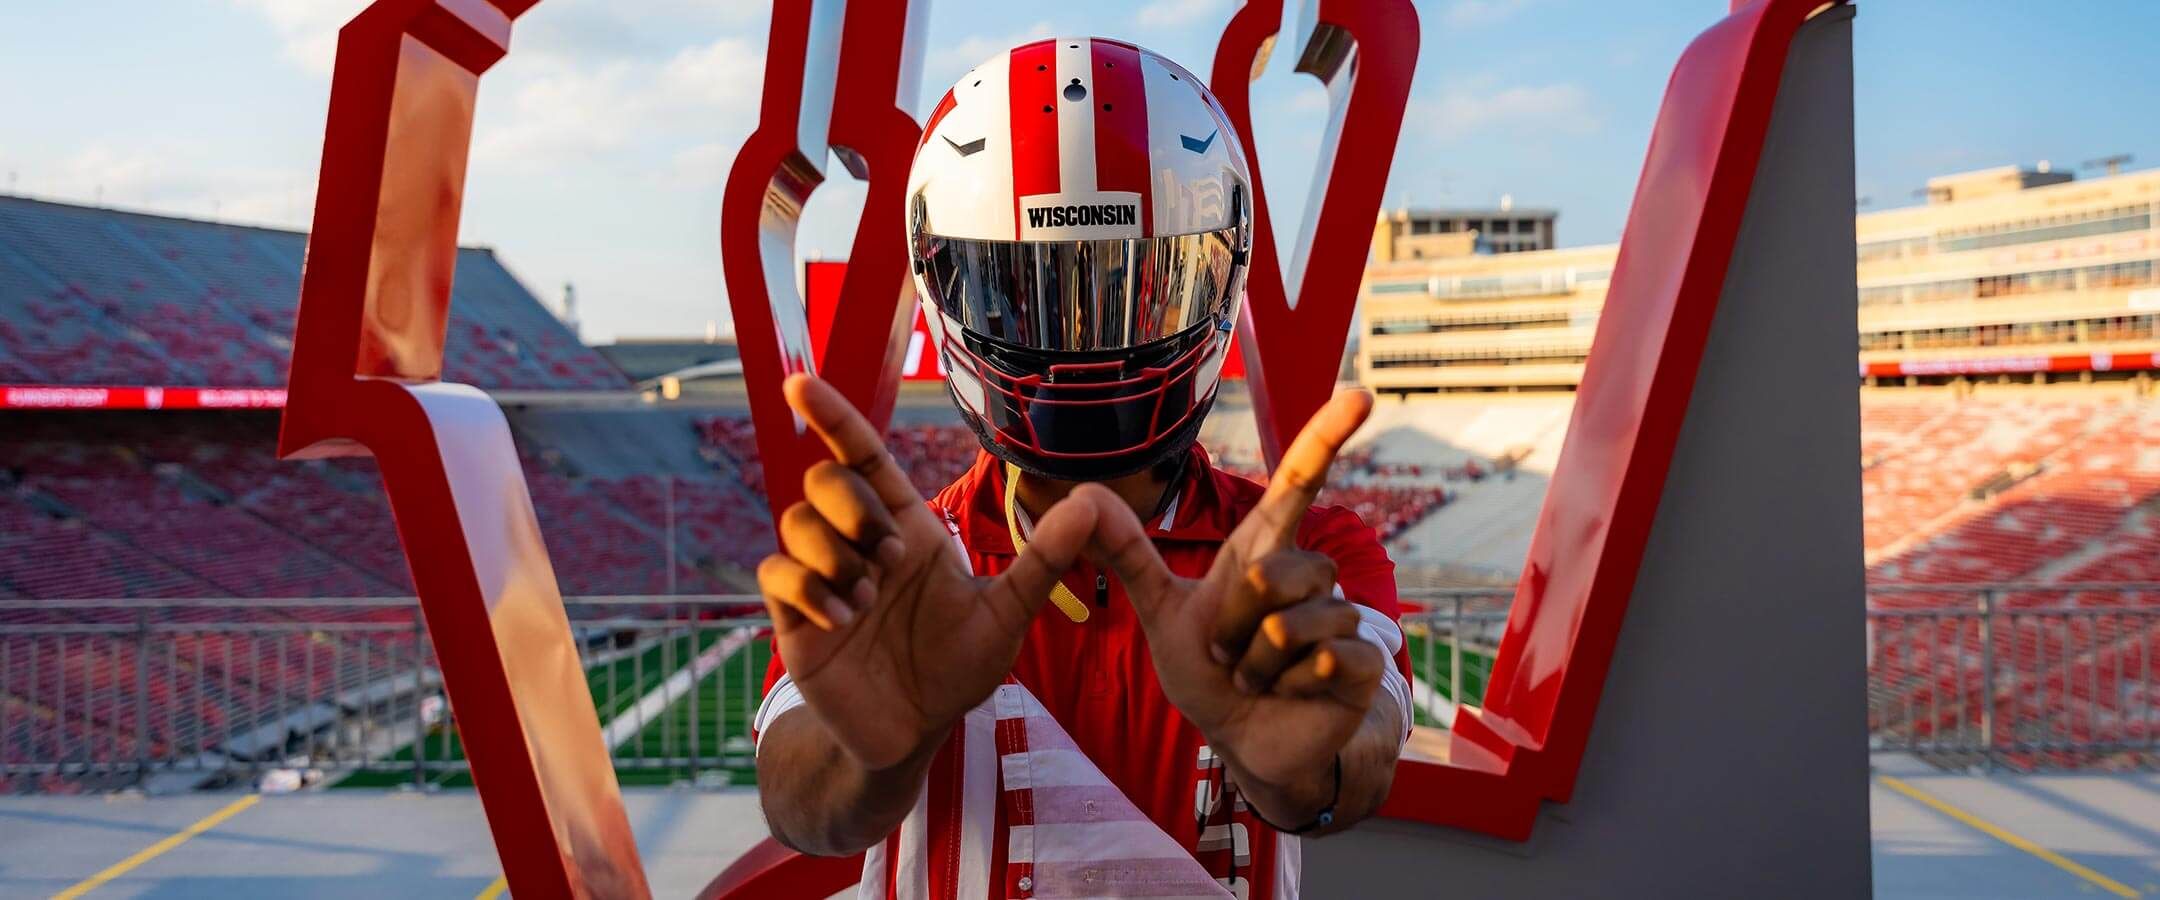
{"x": 1922, "y": 460}
{"x": 729, "y": 442}
{"x": 97, "y": 296}
{"x": 1391, "y": 507}
{"x": 2036, "y": 493}
{"x": 2027, "y": 486}
{"x": 2037, "y": 487}
{"x": 1386, "y": 495}
{"x": 195, "y": 505}
{"x": 932, "y": 455}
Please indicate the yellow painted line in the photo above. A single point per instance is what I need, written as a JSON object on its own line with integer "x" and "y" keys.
{"x": 1997, "y": 832}
{"x": 494, "y": 889}
{"x": 153, "y": 851}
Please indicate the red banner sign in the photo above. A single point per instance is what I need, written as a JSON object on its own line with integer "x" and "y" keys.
{"x": 1998, "y": 365}
{"x": 69, "y": 396}
{"x": 822, "y": 280}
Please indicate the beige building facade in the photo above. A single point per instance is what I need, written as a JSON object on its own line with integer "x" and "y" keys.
{"x": 2009, "y": 274}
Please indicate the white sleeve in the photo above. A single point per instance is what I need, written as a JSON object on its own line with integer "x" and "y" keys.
{"x": 1382, "y": 632}
{"x": 784, "y": 696}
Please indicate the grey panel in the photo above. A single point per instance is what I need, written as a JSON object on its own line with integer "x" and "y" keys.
{"x": 1730, "y": 752}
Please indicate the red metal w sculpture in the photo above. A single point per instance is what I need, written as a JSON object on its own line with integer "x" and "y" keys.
{"x": 367, "y": 362}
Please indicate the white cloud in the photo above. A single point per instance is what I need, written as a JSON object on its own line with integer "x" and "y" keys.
{"x": 703, "y": 164}
{"x": 599, "y": 149}
{"x": 724, "y": 75}
{"x": 179, "y": 178}
{"x": 1478, "y": 105}
{"x": 947, "y": 63}
{"x": 585, "y": 30}
{"x": 1472, "y": 13}
{"x": 1308, "y": 96}
{"x": 308, "y": 28}
{"x": 1175, "y": 13}
{"x": 560, "y": 113}
{"x": 589, "y": 77}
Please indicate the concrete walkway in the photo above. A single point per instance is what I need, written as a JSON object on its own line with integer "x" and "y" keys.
{"x": 1936, "y": 836}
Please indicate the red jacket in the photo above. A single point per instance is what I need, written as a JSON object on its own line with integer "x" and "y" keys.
{"x": 1095, "y": 678}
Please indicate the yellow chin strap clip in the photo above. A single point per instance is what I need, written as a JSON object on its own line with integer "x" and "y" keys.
{"x": 1060, "y": 595}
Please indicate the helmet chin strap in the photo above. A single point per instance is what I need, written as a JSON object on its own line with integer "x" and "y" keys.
{"x": 1060, "y": 595}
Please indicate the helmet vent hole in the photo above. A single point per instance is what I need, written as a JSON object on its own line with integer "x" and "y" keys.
{"x": 1047, "y": 109}
{"x": 1106, "y": 107}
{"x": 1041, "y": 68}
{"x": 1075, "y": 92}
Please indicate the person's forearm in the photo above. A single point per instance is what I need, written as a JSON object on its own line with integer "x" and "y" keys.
{"x": 1368, "y": 770}
{"x": 820, "y": 800}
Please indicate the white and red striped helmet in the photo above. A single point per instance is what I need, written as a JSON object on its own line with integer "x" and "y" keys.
{"x": 1079, "y": 216}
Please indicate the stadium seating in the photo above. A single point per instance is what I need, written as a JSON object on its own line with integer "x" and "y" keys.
{"x": 1391, "y": 507}
{"x": 2034, "y": 488}
{"x": 96, "y": 296}
{"x": 1921, "y": 460}
{"x": 730, "y": 443}
{"x": 716, "y": 525}
{"x": 195, "y": 505}
{"x": 2080, "y": 509}
{"x": 932, "y": 455}
{"x": 41, "y": 556}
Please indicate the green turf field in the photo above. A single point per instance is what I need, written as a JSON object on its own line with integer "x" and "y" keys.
{"x": 723, "y": 709}
{"x": 1432, "y": 662}
{"x": 660, "y": 750}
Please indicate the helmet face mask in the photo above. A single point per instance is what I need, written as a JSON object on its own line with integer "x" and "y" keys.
{"x": 1090, "y": 415}
{"x": 1082, "y": 308}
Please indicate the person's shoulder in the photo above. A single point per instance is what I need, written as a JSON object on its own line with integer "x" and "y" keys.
{"x": 953, "y": 498}
{"x": 1240, "y": 491}
{"x": 1341, "y": 534}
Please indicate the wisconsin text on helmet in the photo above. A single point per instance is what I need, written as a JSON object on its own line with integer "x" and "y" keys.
{"x": 1083, "y": 216}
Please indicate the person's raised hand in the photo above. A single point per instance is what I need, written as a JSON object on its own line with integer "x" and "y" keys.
{"x": 883, "y": 627}
{"x": 1259, "y": 653}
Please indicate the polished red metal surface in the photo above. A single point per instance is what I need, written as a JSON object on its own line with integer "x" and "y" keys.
{"x": 367, "y": 356}
{"x": 822, "y": 282}
{"x": 814, "y": 47}
{"x": 1294, "y": 330}
{"x": 858, "y": 343}
{"x": 1525, "y": 746}
{"x": 770, "y": 870}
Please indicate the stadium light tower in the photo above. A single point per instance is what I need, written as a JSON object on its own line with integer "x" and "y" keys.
{"x": 2114, "y": 164}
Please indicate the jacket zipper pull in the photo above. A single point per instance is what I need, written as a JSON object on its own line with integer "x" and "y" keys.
{"x": 1102, "y": 591}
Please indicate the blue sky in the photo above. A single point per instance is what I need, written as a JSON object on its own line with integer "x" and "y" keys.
{"x": 604, "y": 138}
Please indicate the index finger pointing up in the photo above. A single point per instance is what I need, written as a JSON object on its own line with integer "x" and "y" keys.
{"x": 853, "y": 442}
{"x": 1303, "y": 471}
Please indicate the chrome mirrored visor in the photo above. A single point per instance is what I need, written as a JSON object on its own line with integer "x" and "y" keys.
{"x": 1082, "y": 295}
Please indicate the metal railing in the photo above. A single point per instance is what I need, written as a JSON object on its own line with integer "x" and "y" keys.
{"x": 2025, "y": 676}
{"x": 178, "y": 694}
